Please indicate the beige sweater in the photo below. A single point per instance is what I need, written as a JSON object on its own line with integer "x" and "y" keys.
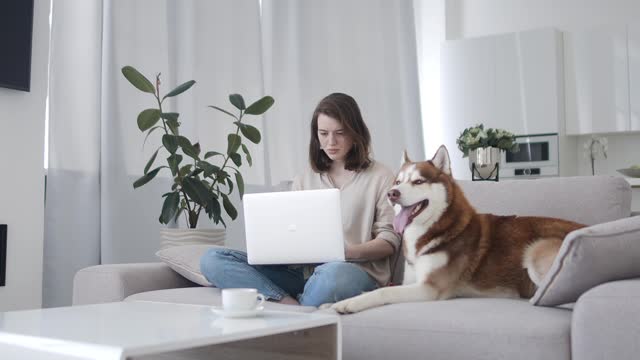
{"x": 366, "y": 213}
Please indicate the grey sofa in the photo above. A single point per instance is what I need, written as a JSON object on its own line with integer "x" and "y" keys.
{"x": 603, "y": 324}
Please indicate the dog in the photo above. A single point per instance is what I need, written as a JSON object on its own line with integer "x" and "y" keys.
{"x": 452, "y": 251}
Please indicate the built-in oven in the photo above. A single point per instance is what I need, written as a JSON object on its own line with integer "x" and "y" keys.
{"x": 538, "y": 156}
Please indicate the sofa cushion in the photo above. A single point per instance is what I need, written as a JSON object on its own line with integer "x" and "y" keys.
{"x": 185, "y": 260}
{"x": 458, "y": 329}
{"x": 204, "y": 296}
{"x": 589, "y": 257}
{"x": 585, "y": 199}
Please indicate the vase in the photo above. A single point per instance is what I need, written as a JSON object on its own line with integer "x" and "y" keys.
{"x": 176, "y": 237}
{"x": 486, "y": 162}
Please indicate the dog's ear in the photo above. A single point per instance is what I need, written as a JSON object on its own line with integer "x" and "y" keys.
{"x": 405, "y": 158}
{"x": 441, "y": 160}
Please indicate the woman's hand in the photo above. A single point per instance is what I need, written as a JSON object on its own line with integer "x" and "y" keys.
{"x": 371, "y": 250}
{"x": 351, "y": 252}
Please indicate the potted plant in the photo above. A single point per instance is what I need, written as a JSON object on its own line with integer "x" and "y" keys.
{"x": 483, "y": 149}
{"x": 202, "y": 181}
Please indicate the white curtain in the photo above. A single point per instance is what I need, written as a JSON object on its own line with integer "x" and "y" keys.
{"x": 92, "y": 214}
{"x": 365, "y": 48}
{"x": 306, "y": 50}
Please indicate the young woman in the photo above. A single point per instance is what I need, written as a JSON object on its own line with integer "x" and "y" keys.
{"x": 339, "y": 158}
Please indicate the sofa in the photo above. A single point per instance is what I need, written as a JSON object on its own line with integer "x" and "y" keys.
{"x": 603, "y": 322}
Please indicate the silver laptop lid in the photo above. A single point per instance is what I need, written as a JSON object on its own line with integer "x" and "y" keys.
{"x": 294, "y": 227}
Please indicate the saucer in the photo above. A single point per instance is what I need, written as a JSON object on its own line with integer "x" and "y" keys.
{"x": 238, "y": 314}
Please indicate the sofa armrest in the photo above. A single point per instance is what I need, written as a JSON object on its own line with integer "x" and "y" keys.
{"x": 605, "y": 322}
{"x": 114, "y": 282}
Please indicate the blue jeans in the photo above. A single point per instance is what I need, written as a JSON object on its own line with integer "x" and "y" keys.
{"x": 330, "y": 282}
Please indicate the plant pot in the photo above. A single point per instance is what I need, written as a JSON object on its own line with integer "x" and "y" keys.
{"x": 176, "y": 237}
{"x": 486, "y": 161}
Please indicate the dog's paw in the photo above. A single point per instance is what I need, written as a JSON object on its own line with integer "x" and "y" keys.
{"x": 325, "y": 306}
{"x": 342, "y": 307}
{"x": 354, "y": 304}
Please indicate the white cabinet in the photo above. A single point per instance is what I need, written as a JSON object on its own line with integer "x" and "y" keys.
{"x": 509, "y": 81}
{"x": 633, "y": 48}
{"x": 597, "y": 80}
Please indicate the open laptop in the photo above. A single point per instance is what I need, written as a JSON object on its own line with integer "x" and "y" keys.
{"x": 293, "y": 227}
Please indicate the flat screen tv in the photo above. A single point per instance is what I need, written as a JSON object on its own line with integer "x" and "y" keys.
{"x": 16, "y": 27}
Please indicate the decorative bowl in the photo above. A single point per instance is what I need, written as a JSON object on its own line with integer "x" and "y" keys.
{"x": 630, "y": 172}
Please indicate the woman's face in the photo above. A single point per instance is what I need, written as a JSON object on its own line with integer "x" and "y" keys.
{"x": 333, "y": 138}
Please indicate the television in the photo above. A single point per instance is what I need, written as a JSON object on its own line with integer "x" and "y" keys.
{"x": 16, "y": 27}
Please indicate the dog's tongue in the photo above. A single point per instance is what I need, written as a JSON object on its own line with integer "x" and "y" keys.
{"x": 402, "y": 219}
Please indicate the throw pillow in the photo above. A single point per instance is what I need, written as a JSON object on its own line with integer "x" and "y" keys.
{"x": 185, "y": 260}
{"x": 589, "y": 257}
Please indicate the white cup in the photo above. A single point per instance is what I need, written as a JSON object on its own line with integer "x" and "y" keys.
{"x": 241, "y": 299}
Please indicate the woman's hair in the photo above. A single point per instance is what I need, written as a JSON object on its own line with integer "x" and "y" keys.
{"x": 345, "y": 110}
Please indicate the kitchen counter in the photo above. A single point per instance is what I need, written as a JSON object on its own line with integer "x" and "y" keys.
{"x": 635, "y": 182}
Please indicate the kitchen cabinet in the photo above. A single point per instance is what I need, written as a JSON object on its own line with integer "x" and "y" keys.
{"x": 597, "y": 80}
{"x": 509, "y": 81}
{"x": 633, "y": 50}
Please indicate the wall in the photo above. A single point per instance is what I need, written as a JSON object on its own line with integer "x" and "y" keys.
{"x": 471, "y": 18}
{"x": 22, "y": 116}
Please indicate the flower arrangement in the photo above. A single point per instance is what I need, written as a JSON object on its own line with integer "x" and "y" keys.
{"x": 595, "y": 147}
{"x": 476, "y": 137}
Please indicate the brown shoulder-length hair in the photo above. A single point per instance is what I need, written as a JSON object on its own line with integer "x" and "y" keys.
{"x": 344, "y": 109}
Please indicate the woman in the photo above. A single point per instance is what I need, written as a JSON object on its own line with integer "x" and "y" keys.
{"x": 339, "y": 158}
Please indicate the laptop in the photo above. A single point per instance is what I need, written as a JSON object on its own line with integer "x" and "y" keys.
{"x": 293, "y": 227}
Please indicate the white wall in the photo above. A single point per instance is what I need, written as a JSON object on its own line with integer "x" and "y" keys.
{"x": 22, "y": 116}
{"x": 471, "y": 18}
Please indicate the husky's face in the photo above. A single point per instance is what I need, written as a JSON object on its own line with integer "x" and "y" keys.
{"x": 420, "y": 192}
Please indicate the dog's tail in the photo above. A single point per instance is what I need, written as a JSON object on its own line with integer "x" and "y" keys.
{"x": 539, "y": 256}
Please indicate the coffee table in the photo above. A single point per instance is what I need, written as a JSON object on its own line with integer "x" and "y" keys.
{"x": 155, "y": 330}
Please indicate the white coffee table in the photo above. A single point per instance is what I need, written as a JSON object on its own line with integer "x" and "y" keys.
{"x": 154, "y": 330}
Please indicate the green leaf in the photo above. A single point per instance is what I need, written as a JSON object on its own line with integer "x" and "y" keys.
{"x": 228, "y": 207}
{"x": 196, "y": 191}
{"x": 196, "y": 172}
{"x": 174, "y": 161}
{"x": 172, "y": 122}
{"x": 240, "y": 183}
{"x": 250, "y": 132}
{"x": 137, "y": 79}
{"x": 237, "y": 101}
{"x": 246, "y": 152}
{"x": 170, "y": 116}
{"x": 213, "y": 209}
{"x": 150, "y": 162}
{"x": 224, "y": 111}
{"x": 184, "y": 170}
{"x": 147, "y": 118}
{"x": 221, "y": 176}
{"x": 146, "y": 177}
{"x": 230, "y": 185}
{"x": 233, "y": 143}
{"x": 209, "y": 169}
{"x": 187, "y": 148}
{"x": 178, "y": 213}
{"x": 235, "y": 157}
{"x": 169, "y": 207}
{"x": 180, "y": 89}
{"x": 212, "y": 153}
{"x": 170, "y": 142}
{"x": 260, "y": 107}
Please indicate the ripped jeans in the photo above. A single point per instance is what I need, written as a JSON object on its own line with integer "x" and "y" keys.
{"x": 330, "y": 282}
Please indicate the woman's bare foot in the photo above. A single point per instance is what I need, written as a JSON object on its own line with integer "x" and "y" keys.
{"x": 288, "y": 300}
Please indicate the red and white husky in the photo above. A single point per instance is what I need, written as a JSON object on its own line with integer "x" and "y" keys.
{"x": 452, "y": 251}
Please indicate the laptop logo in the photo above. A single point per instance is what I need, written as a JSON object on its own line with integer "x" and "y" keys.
{"x": 292, "y": 228}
